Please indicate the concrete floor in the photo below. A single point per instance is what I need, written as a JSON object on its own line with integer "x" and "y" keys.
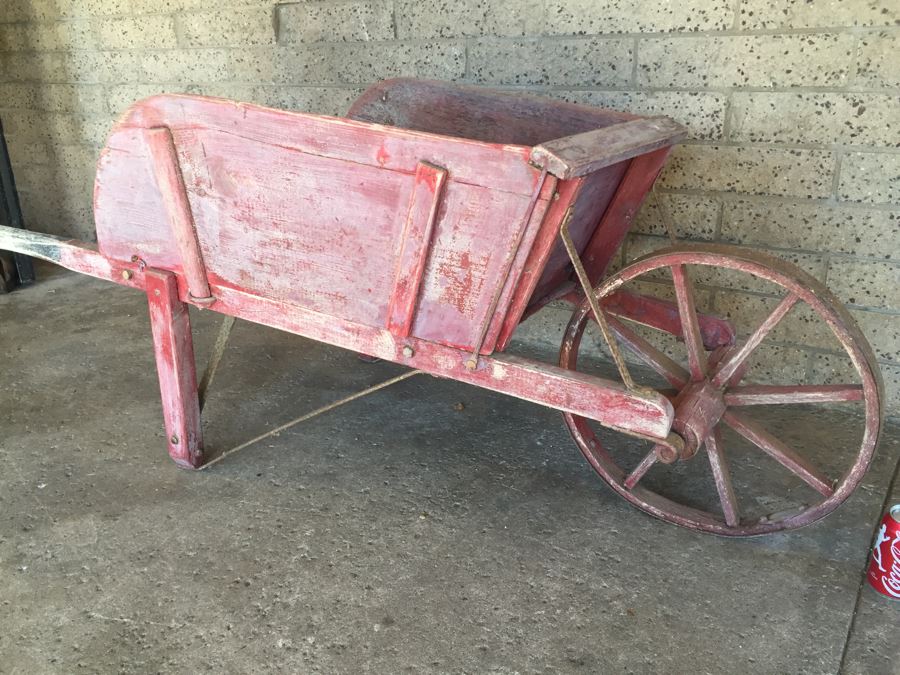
{"x": 432, "y": 527}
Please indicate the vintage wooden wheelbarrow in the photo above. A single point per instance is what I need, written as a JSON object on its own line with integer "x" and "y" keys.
{"x": 422, "y": 230}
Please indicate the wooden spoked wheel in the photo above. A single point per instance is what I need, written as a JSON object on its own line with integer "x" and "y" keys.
{"x": 733, "y": 441}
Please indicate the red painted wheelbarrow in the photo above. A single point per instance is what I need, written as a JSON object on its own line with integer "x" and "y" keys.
{"x": 424, "y": 228}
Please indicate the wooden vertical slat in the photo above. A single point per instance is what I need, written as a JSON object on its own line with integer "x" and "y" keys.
{"x": 174, "y": 350}
{"x": 420, "y": 218}
{"x": 178, "y": 209}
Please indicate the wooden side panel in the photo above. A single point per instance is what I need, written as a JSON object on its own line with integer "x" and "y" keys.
{"x": 477, "y": 231}
{"x": 618, "y": 217}
{"x": 311, "y": 211}
{"x": 590, "y": 203}
{"x": 415, "y": 242}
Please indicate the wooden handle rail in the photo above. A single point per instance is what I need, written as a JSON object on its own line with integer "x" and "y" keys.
{"x": 581, "y": 154}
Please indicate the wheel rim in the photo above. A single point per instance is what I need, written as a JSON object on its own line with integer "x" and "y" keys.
{"x": 725, "y": 369}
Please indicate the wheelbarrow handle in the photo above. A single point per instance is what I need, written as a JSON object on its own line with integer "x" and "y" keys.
{"x": 73, "y": 254}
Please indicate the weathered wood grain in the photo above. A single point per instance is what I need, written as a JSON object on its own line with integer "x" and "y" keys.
{"x": 414, "y": 244}
{"x": 174, "y": 349}
{"x": 587, "y": 152}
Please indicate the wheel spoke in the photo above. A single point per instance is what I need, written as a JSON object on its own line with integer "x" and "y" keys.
{"x": 735, "y": 359}
{"x": 653, "y": 357}
{"x": 690, "y": 325}
{"x": 779, "y": 451}
{"x": 797, "y": 393}
{"x": 632, "y": 479}
{"x": 722, "y": 475}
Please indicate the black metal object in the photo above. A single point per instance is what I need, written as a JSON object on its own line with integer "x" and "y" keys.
{"x": 15, "y": 269}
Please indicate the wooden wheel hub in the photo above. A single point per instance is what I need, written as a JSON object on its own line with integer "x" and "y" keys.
{"x": 698, "y": 408}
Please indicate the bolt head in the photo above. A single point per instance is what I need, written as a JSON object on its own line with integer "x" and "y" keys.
{"x": 471, "y": 364}
{"x": 174, "y": 439}
{"x": 408, "y": 351}
{"x": 127, "y": 274}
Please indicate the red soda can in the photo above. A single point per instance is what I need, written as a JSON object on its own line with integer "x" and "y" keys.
{"x": 884, "y": 568}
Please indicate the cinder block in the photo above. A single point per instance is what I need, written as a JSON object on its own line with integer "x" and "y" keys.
{"x": 423, "y": 19}
{"x": 801, "y": 326}
{"x": 837, "y": 369}
{"x": 361, "y": 63}
{"x": 59, "y": 214}
{"x": 38, "y": 66}
{"x": 866, "y": 283}
{"x": 745, "y": 61}
{"x": 750, "y": 170}
{"x": 768, "y": 14}
{"x": 778, "y": 364}
{"x": 122, "y": 96}
{"x": 694, "y": 217}
{"x": 850, "y": 119}
{"x": 703, "y": 113}
{"x": 56, "y": 35}
{"x": 320, "y": 100}
{"x": 68, "y": 9}
{"x": 192, "y": 66}
{"x": 883, "y": 332}
{"x": 19, "y": 95}
{"x": 811, "y": 226}
{"x": 585, "y": 17}
{"x": 144, "y": 32}
{"x": 581, "y": 62}
{"x": 877, "y": 60}
{"x": 21, "y": 152}
{"x": 227, "y": 28}
{"x": 870, "y": 177}
{"x": 354, "y": 21}
{"x": 33, "y": 126}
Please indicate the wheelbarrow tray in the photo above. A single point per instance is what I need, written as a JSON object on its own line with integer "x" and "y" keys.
{"x": 424, "y": 245}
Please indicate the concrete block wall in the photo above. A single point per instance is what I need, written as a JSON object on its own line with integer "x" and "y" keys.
{"x": 793, "y": 108}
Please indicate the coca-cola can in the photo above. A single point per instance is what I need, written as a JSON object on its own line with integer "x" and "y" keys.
{"x": 884, "y": 568}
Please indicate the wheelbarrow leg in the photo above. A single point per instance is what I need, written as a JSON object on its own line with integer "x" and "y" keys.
{"x": 174, "y": 350}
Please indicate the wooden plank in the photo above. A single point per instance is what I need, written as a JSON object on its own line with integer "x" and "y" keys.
{"x": 173, "y": 347}
{"x": 415, "y": 240}
{"x": 494, "y": 165}
{"x": 170, "y": 184}
{"x": 72, "y": 254}
{"x": 605, "y": 401}
{"x": 584, "y": 153}
{"x": 608, "y": 235}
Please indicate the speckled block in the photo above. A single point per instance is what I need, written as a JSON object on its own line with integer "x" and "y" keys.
{"x": 849, "y": 119}
{"x": 866, "y": 283}
{"x": 772, "y": 14}
{"x": 363, "y": 62}
{"x": 870, "y": 177}
{"x": 423, "y": 19}
{"x": 814, "y": 226}
{"x": 50, "y": 36}
{"x": 582, "y": 61}
{"x": 144, "y": 32}
{"x": 226, "y": 28}
{"x": 694, "y": 217}
{"x": 777, "y": 61}
{"x": 620, "y": 16}
{"x": 877, "y": 61}
{"x": 335, "y": 22}
{"x": 752, "y": 170}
